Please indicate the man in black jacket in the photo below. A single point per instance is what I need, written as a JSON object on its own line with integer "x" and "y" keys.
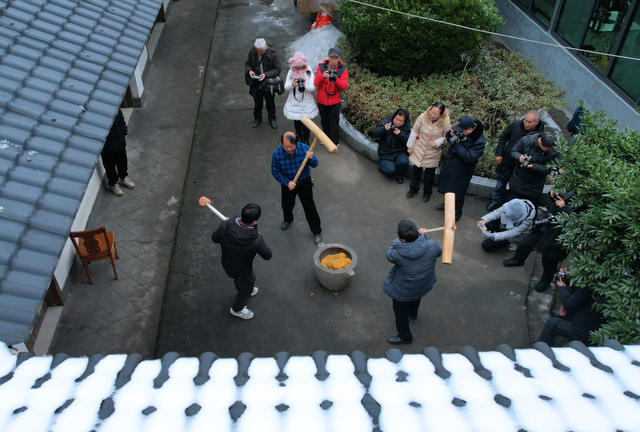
{"x": 532, "y": 153}
{"x": 577, "y": 317}
{"x": 262, "y": 62}
{"x": 392, "y": 133}
{"x": 114, "y": 156}
{"x": 240, "y": 242}
{"x": 505, "y": 163}
{"x": 466, "y": 146}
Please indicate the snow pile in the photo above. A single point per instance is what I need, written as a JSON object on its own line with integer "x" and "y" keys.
{"x": 315, "y": 44}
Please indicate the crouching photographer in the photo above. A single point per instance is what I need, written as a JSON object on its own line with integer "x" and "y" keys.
{"x": 544, "y": 237}
{"x": 507, "y": 224}
{"x": 576, "y": 319}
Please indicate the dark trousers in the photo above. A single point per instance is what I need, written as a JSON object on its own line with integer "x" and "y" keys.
{"x": 526, "y": 246}
{"x": 302, "y": 131}
{"x": 558, "y": 326}
{"x": 395, "y": 167}
{"x": 490, "y": 245}
{"x": 115, "y": 165}
{"x": 257, "y": 107}
{"x": 416, "y": 176}
{"x": 511, "y": 194}
{"x": 244, "y": 286}
{"x": 402, "y": 311}
{"x": 304, "y": 191}
{"x": 330, "y": 120}
{"x": 502, "y": 179}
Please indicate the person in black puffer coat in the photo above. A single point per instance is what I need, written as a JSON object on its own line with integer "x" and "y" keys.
{"x": 392, "y": 133}
{"x": 240, "y": 242}
{"x": 461, "y": 159}
{"x": 114, "y": 156}
{"x": 262, "y": 62}
{"x": 532, "y": 153}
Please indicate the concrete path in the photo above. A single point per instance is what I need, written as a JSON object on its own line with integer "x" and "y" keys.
{"x": 196, "y": 94}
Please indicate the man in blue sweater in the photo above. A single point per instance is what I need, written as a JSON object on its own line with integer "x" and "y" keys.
{"x": 285, "y": 162}
{"x": 412, "y": 276}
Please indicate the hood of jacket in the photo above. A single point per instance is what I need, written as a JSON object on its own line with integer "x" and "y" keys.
{"x": 414, "y": 249}
{"x": 477, "y": 132}
{"x": 241, "y": 234}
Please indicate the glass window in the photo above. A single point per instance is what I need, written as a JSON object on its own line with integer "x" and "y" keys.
{"x": 523, "y": 3}
{"x": 625, "y": 73}
{"x": 573, "y": 17}
{"x": 543, "y": 9}
{"x": 606, "y": 21}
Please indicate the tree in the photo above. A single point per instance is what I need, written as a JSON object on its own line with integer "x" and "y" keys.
{"x": 392, "y": 43}
{"x": 603, "y": 167}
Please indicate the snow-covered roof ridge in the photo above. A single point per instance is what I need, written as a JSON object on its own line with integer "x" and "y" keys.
{"x": 535, "y": 389}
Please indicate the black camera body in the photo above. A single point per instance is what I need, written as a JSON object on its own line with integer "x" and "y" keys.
{"x": 455, "y": 137}
{"x": 559, "y": 276}
{"x": 301, "y": 83}
{"x": 333, "y": 75}
{"x": 392, "y": 128}
{"x": 527, "y": 161}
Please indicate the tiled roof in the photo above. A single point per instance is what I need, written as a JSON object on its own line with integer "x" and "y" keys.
{"x": 64, "y": 68}
{"x": 541, "y": 389}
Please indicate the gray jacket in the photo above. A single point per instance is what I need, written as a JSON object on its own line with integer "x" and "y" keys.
{"x": 521, "y": 224}
{"x": 413, "y": 274}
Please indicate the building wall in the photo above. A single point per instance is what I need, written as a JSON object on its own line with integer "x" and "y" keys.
{"x": 559, "y": 65}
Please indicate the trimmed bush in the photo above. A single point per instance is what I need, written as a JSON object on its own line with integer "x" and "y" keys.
{"x": 501, "y": 86}
{"x": 603, "y": 167}
{"x": 394, "y": 44}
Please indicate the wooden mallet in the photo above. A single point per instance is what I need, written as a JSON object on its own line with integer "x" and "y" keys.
{"x": 206, "y": 202}
{"x": 319, "y": 135}
{"x": 448, "y": 228}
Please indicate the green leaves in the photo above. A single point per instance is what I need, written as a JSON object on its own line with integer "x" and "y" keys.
{"x": 602, "y": 167}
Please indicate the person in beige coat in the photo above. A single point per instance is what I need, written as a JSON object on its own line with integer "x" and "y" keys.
{"x": 425, "y": 147}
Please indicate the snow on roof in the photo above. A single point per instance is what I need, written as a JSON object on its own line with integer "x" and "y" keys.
{"x": 538, "y": 389}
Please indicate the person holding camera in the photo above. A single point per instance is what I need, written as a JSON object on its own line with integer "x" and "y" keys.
{"x": 466, "y": 145}
{"x": 425, "y": 148}
{"x": 544, "y": 237}
{"x": 392, "y": 133}
{"x": 576, "y": 319}
{"x": 532, "y": 153}
{"x": 505, "y": 163}
{"x": 301, "y": 101}
{"x": 413, "y": 275}
{"x": 506, "y": 224}
{"x": 331, "y": 79}
{"x": 262, "y": 62}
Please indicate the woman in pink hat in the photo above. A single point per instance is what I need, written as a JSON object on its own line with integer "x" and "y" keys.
{"x": 301, "y": 100}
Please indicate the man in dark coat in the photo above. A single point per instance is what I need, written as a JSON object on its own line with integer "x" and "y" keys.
{"x": 544, "y": 238}
{"x": 577, "y": 317}
{"x": 505, "y": 163}
{"x": 262, "y": 62}
{"x": 240, "y": 242}
{"x": 533, "y": 153}
{"x": 114, "y": 156}
{"x": 466, "y": 146}
{"x": 392, "y": 133}
{"x": 412, "y": 276}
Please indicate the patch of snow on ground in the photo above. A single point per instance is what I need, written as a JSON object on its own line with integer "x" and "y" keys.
{"x": 315, "y": 44}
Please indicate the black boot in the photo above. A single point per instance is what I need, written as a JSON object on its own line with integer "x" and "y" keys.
{"x": 512, "y": 262}
{"x": 411, "y": 193}
{"x": 426, "y": 196}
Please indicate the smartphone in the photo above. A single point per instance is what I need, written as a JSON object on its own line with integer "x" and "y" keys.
{"x": 483, "y": 228}
{"x": 256, "y": 77}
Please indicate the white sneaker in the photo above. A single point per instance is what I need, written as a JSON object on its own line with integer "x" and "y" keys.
{"x": 245, "y": 313}
{"x": 126, "y": 182}
{"x": 255, "y": 291}
{"x": 115, "y": 189}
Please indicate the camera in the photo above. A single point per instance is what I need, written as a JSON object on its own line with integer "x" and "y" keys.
{"x": 559, "y": 276}
{"x": 392, "y": 128}
{"x": 455, "y": 136}
{"x": 333, "y": 75}
{"x": 300, "y": 82}
{"x": 553, "y": 171}
{"x": 527, "y": 161}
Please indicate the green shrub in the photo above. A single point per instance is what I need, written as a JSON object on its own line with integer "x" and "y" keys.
{"x": 500, "y": 87}
{"x": 391, "y": 43}
{"x": 603, "y": 167}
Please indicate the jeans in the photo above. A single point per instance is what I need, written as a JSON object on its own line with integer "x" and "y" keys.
{"x": 497, "y": 196}
{"x": 395, "y": 167}
{"x": 526, "y": 246}
{"x": 115, "y": 165}
{"x": 330, "y": 120}
{"x": 402, "y": 312}
{"x": 490, "y": 245}
{"x": 257, "y": 107}
{"x": 304, "y": 191}
{"x": 558, "y": 326}
{"x": 244, "y": 286}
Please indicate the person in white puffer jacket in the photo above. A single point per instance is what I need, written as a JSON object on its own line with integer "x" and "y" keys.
{"x": 300, "y": 102}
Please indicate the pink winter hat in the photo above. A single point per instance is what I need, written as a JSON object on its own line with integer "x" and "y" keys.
{"x": 298, "y": 59}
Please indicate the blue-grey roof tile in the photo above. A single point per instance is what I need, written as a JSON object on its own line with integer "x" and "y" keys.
{"x": 73, "y": 172}
{"x": 11, "y": 230}
{"x": 6, "y": 249}
{"x": 88, "y": 66}
{"x": 91, "y": 131}
{"x": 29, "y": 176}
{"x": 15, "y": 210}
{"x": 50, "y": 221}
{"x": 10, "y": 331}
{"x": 52, "y": 19}
{"x": 41, "y": 85}
{"x": 34, "y": 262}
{"x": 72, "y": 96}
{"x": 21, "y": 304}
{"x": 66, "y": 108}
{"x": 20, "y": 192}
{"x": 55, "y": 133}
{"x": 28, "y": 108}
{"x": 10, "y": 312}
{"x": 42, "y": 241}
{"x": 48, "y": 75}
{"x": 21, "y": 63}
{"x": 79, "y": 157}
{"x": 86, "y": 144}
{"x": 37, "y": 161}
{"x": 55, "y": 63}
{"x": 5, "y": 164}
{"x": 60, "y": 120}
{"x": 20, "y": 289}
{"x": 14, "y": 135}
{"x": 58, "y": 203}
{"x": 32, "y": 43}
{"x": 46, "y": 146}
{"x": 17, "y": 120}
{"x": 25, "y": 6}
{"x": 66, "y": 188}
{"x": 40, "y": 35}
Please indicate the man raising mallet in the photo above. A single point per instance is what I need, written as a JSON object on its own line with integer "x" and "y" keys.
{"x": 240, "y": 242}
